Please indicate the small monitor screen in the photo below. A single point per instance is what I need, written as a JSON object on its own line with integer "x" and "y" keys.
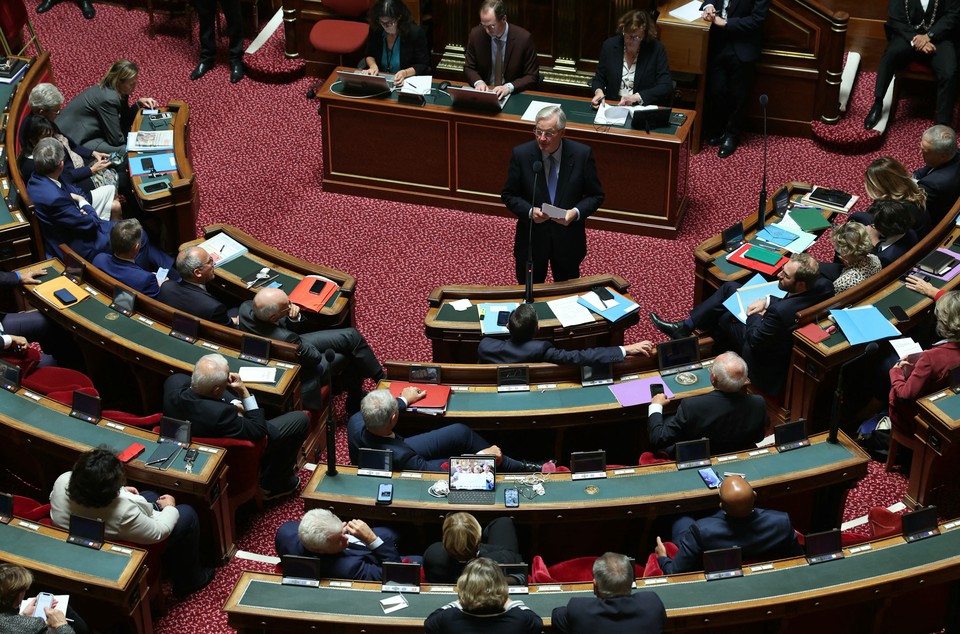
{"x": 691, "y": 450}
{"x": 473, "y": 473}
{"x": 86, "y": 528}
{"x": 255, "y": 347}
{"x": 588, "y": 461}
{"x": 6, "y": 504}
{"x": 376, "y": 459}
{"x": 124, "y": 299}
{"x": 823, "y": 543}
{"x": 300, "y": 567}
{"x": 516, "y": 574}
{"x": 73, "y": 267}
{"x": 790, "y": 432}
{"x": 721, "y": 559}
{"x": 400, "y": 574}
{"x": 513, "y": 375}
{"x": 86, "y": 403}
{"x": 186, "y": 325}
{"x": 176, "y": 430}
{"x": 10, "y": 376}
{"x": 603, "y": 372}
{"x": 425, "y": 373}
{"x": 733, "y": 236}
{"x": 919, "y": 521}
{"x": 678, "y": 352}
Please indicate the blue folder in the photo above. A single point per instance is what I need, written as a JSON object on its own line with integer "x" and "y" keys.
{"x": 863, "y": 323}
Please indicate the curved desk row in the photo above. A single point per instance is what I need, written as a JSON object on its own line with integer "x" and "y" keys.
{"x": 768, "y": 596}
{"x": 933, "y": 465}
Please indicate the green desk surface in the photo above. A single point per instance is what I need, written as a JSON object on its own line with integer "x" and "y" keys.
{"x": 44, "y": 419}
{"x": 48, "y": 550}
{"x": 778, "y": 584}
{"x": 901, "y": 296}
{"x": 471, "y": 314}
{"x": 949, "y": 405}
{"x": 245, "y": 265}
{"x": 643, "y": 483}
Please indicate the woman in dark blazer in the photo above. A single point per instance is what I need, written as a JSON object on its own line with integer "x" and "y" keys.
{"x": 396, "y": 44}
{"x": 633, "y": 68}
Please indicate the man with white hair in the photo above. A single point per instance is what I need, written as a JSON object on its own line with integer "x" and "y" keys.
{"x": 346, "y": 550}
{"x": 732, "y": 419}
{"x": 219, "y": 405}
{"x": 940, "y": 175}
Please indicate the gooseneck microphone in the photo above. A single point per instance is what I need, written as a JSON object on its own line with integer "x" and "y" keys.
{"x": 761, "y": 212}
{"x": 328, "y": 356}
{"x": 528, "y": 295}
{"x": 838, "y": 396}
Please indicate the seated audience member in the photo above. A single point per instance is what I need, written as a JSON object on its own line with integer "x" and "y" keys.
{"x": 66, "y": 217}
{"x": 347, "y": 550}
{"x": 373, "y": 428}
{"x": 633, "y": 68}
{"x": 760, "y": 534}
{"x": 494, "y": 40}
{"x": 890, "y": 232}
{"x": 483, "y": 606}
{"x": 190, "y": 295}
{"x": 101, "y": 116}
{"x": 940, "y": 175}
{"x": 19, "y": 329}
{"x": 852, "y": 244}
{"x": 521, "y": 347}
{"x": 732, "y": 419}
{"x": 887, "y": 179}
{"x": 271, "y": 315}
{"x": 99, "y": 190}
{"x": 396, "y": 44}
{"x": 95, "y": 489}
{"x": 219, "y": 405}
{"x": 121, "y": 265}
{"x": 14, "y": 582}
{"x": 463, "y": 541}
{"x": 911, "y": 378}
{"x": 614, "y": 609}
{"x": 764, "y": 341}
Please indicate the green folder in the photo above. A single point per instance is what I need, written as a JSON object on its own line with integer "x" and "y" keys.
{"x": 763, "y": 255}
{"x": 809, "y": 219}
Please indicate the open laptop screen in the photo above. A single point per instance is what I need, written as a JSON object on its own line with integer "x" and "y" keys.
{"x": 473, "y": 473}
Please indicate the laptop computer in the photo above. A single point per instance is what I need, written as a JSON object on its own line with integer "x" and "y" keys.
{"x": 517, "y": 576}
{"x": 86, "y": 407}
{"x": 84, "y": 531}
{"x": 722, "y": 563}
{"x": 692, "y": 454}
{"x": 823, "y": 546}
{"x": 791, "y": 435}
{"x": 920, "y": 524}
{"x": 9, "y": 377}
{"x": 513, "y": 378}
{"x": 467, "y": 97}
{"x": 255, "y": 349}
{"x": 300, "y": 571}
{"x": 587, "y": 465}
{"x": 373, "y": 84}
{"x": 185, "y": 327}
{"x": 472, "y": 480}
{"x": 733, "y": 237}
{"x": 375, "y": 462}
{"x": 679, "y": 355}
{"x": 6, "y": 508}
{"x": 400, "y": 577}
{"x": 596, "y": 374}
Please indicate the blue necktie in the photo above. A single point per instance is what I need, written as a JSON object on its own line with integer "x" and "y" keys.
{"x": 552, "y": 177}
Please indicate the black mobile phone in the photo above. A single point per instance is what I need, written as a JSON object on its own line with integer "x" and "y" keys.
{"x": 384, "y": 494}
{"x": 158, "y": 186}
{"x": 65, "y": 296}
{"x": 656, "y": 388}
{"x": 899, "y": 313}
{"x": 191, "y": 455}
{"x": 503, "y": 317}
{"x": 317, "y": 287}
{"x": 147, "y": 163}
{"x": 710, "y": 477}
{"x": 602, "y": 292}
{"x": 511, "y": 498}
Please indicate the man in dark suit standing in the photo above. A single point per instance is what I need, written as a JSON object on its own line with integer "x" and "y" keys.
{"x": 207, "y": 16}
{"x": 736, "y": 33}
{"x": 500, "y": 57}
{"x": 923, "y": 32}
{"x": 940, "y": 175}
{"x": 758, "y": 532}
{"x": 732, "y": 419}
{"x": 219, "y": 405}
{"x": 765, "y": 341}
{"x": 567, "y": 180}
{"x": 614, "y": 610}
{"x": 190, "y": 294}
{"x": 521, "y": 347}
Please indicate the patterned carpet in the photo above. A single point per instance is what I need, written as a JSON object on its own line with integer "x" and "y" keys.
{"x": 256, "y": 153}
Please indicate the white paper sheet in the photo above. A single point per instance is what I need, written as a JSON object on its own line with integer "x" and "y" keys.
{"x": 690, "y": 12}
{"x": 570, "y": 312}
{"x": 250, "y": 374}
{"x": 905, "y": 346}
{"x": 530, "y": 114}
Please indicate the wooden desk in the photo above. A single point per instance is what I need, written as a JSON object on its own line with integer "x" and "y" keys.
{"x": 933, "y": 466}
{"x": 463, "y": 157}
{"x": 811, "y": 483}
{"x": 113, "y": 577}
{"x": 455, "y": 335}
{"x": 175, "y": 210}
{"x": 687, "y": 44}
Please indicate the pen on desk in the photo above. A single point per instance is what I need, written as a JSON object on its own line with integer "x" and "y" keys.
{"x": 222, "y": 248}
{"x": 155, "y": 461}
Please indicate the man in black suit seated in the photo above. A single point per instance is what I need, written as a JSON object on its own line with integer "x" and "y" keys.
{"x": 373, "y": 428}
{"x": 890, "y": 232}
{"x": 732, "y": 419}
{"x": 271, "y": 315}
{"x": 760, "y": 534}
{"x": 940, "y": 174}
{"x": 614, "y": 609}
{"x": 219, "y": 405}
{"x": 190, "y": 293}
{"x": 19, "y": 329}
{"x": 521, "y": 347}
{"x": 764, "y": 341}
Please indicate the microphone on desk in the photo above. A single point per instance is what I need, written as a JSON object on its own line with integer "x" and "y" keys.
{"x": 838, "y": 394}
{"x": 328, "y": 357}
{"x": 761, "y": 212}
{"x": 528, "y": 295}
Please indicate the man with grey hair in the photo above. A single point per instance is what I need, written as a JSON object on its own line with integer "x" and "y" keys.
{"x": 940, "y": 175}
{"x": 346, "y": 550}
{"x": 190, "y": 295}
{"x": 567, "y": 192}
{"x": 271, "y": 315}
{"x": 121, "y": 265}
{"x": 373, "y": 428}
{"x": 731, "y": 418}
{"x": 614, "y": 610}
{"x": 219, "y": 405}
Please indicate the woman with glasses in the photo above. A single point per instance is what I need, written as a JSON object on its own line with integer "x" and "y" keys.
{"x": 396, "y": 45}
{"x": 633, "y": 68}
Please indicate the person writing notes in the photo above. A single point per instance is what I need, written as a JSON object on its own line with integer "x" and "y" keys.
{"x": 500, "y": 57}
{"x": 633, "y": 67}
{"x": 396, "y": 44}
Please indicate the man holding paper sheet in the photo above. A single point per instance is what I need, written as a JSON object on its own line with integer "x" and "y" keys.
{"x": 567, "y": 192}
{"x": 219, "y": 405}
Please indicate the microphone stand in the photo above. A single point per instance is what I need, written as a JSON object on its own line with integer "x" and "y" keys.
{"x": 762, "y": 210}
{"x": 839, "y": 395}
{"x": 528, "y": 294}
{"x": 328, "y": 357}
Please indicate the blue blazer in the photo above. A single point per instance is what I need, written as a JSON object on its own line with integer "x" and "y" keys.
{"x": 62, "y": 221}
{"x": 128, "y": 273}
{"x": 651, "y": 77}
{"x": 640, "y": 613}
{"x": 896, "y": 250}
{"x": 493, "y": 350}
{"x": 356, "y": 562}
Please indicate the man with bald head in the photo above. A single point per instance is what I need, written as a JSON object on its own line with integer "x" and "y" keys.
{"x": 271, "y": 315}
{"x": 219, "y": 405}
{"x": 732, "y": 419}
{"x": 190, "y": 293}
{"x": 759, "y": 533}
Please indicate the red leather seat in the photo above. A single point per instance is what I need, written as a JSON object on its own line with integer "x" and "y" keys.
{"x": 337, "y": 36}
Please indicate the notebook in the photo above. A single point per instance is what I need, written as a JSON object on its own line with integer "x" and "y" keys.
{"x": 472, "y": 480}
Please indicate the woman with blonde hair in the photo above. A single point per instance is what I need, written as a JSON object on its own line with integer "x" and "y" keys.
{"x": 463, "y": 540}
{"x": 14, "y": 582}
{"x": 887, "y": 179}
{"x": 854, "y": 249}
{"x": 483, "y": 606}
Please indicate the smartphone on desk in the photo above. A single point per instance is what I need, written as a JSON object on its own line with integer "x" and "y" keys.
{"x": 384, "y": 494}
{"x": 709, "y": 477}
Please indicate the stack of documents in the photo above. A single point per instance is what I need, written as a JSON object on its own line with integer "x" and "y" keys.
{"x": 612, "y": 310}
{"x": 147, "y": 141}
{"x": 222, "y": 248}
{"x": 570, "y": 312}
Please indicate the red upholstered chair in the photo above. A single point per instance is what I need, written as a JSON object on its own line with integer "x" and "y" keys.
{"x": 30, "y": 509}
{"x": 143, "y": 422}
{"x": 883, "y": 523}
{"x": 51, "y": 379}
{"x": 577, "y": 570}
{"x": 66, "y": 396}
{"x": 648, "y": 457}
{"x": 243, "y": 463}
{"x": 13, "y": 17}
{"x": 340, "y": 36}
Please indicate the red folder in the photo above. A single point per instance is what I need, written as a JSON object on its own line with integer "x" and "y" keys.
{"x": 436, "y": 398}
{"x": 738, "y": 258}
{"x": 302, "y": 297}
